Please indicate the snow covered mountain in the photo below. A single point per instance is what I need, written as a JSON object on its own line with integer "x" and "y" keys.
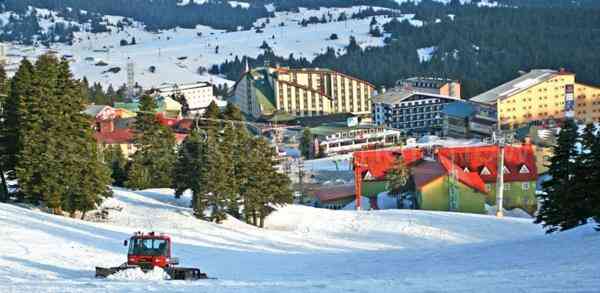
{"x": 302, "y": 250}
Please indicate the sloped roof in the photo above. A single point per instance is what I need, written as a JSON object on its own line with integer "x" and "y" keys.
{"x": 119, "y": 136}
{"x": 94, "y": 110}
{"x": 334, "y": 192}
{"x": 471, "y": 179}
{"x": 427, "y": 171}
{"x": 476, "y": 158}
{"x": 378, "y": 162}
{"x": 516, "y": 85}
{"x": 397, "y": 95}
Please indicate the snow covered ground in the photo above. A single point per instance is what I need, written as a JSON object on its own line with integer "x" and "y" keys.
{"x": 302, "y": 250}
{"x": 165, "y": 49}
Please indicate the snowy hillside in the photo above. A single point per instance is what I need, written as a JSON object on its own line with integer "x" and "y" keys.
{"x": 178, "y": 53}
{"x": 302, "y": 250}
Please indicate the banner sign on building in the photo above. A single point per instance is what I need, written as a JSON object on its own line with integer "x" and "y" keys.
{"x": 569, "y": 101}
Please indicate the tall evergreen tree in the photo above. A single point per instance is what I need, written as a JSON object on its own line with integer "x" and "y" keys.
{"x": 116, "y": 162}
{"x": 231, "y": 147}
{"x": 306, "y": 142}
{"x": 212, "y": 113}
{"x": 590, "y": 170}
{"x": 57, "y": 157}
{"x": 232, "y": 112}
{"x": 20, "y": 87}
{"x": 561, "y": 201}
{"x": 215, "y": 186}
{"x": 264, "y": 187}
{"x": 189, "y": 171}
{"x": 152, "y": 163}
{"x": 3, "y": 138}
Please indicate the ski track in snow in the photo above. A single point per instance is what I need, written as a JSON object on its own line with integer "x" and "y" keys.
{"x": 303, "y": 249}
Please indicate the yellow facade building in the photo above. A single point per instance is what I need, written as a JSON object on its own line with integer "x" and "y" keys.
{"x": 543, "y": 95}
{"x": 301, "y": 92}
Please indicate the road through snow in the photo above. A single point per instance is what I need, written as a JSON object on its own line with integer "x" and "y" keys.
{"x": 302, "y": 250}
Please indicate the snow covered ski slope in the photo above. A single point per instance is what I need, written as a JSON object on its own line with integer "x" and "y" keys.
{"x": 302, "y": 250}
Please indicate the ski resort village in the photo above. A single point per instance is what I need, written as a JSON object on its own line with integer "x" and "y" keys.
{"x": 299, "y": 146}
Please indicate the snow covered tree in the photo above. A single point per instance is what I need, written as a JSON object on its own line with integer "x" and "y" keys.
{"x": 152, "y": 163}
{"x": 561, "y": 202}
{"x": 306, "y": 142}
{"x": 373, "y": 21}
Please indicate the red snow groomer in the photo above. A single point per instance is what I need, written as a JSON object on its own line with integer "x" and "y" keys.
{"x": 150, "y": 250}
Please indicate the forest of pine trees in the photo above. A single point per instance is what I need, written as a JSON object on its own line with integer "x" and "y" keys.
{"x": 481, "y": 47}
{"x": 49, "y": 148}
{"x": 48, "y": 144}
{"x": 229, "y": 171}
{"x": 572, "y": 195}
{"x": 152, "y": 163}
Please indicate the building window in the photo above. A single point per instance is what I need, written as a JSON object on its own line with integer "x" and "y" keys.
{"x": 525, "y": 185}
{"x": 507, "y": 186}
{"x": 488, "y": 187}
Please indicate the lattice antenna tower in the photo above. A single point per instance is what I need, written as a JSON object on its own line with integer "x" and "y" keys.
{"x": 130, "y": 78}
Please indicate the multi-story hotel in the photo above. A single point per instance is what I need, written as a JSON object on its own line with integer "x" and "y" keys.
{"x": 433, "y": 85}
{"x": 197, "y": 95}
{"x": 409, "y": 111}
{"x": 543, "y": 95}
{"x": 301, "y": 92}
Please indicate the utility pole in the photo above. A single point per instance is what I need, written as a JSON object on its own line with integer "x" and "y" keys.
{"x": 500, "y": 139}
{"x": 500, "y": 178}
{"x": 301, "y": 179}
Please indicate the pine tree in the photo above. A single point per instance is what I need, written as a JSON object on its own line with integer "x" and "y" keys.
{"x": 232, "y": 112}
{"x": 215, "y": 186}
{"x": 561, "y": 198}
{"x": 3, "y": 136}
{"x": 20, "y": 87}
{"x": 152, "y": 163}
{"x": 230, "y": 147}
{"x": 305, "y": 143}
{"x": 189, "y": 171}
{"x": 590, "y": 170}
{"x": 115, "y": 160}
{"x": 57, "y": 157}
{"x": 3, "y": 81}
{"x": 263, "y": 187}
{"x": 272, "y": 187}
{"x": 212, "y": 113}
{"x": 398, "y": 177}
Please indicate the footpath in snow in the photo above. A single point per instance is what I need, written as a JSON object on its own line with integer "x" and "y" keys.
{"x": 302, "y": 249}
